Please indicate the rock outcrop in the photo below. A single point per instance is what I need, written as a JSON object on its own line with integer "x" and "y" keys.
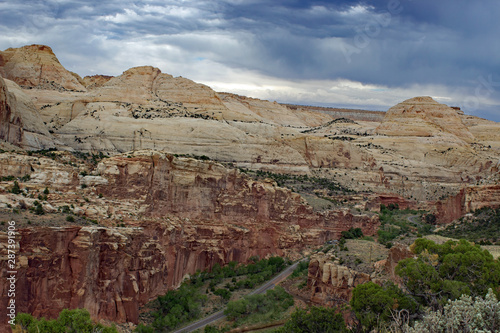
{"x": 467, "y": 200}
{"x": 331, "y": 283}
{"x": 20, "y": 122}
{"x": 420, "y": 151}
{"x": 423, "y": 117}
{"x": 36, "y": 66}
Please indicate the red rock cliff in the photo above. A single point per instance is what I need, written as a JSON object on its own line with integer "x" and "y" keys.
{"x": 183, "y": 215}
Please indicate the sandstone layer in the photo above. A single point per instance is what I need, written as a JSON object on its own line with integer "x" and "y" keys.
{"x": 419, "y": 150}
{"x": 20, "y": 122}
{"x": 177, "y": 216}
{"x": 331, "y": 283}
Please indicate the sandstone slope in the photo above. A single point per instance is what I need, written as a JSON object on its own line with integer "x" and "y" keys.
{"x": 36, "y": 66}
{"x": 20, "y": 122}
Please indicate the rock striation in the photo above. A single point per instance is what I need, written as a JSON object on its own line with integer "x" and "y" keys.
{"x": 467, "y": 200}
{"x": 420, "y": 150}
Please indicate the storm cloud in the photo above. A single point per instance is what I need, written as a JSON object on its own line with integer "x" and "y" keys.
{"x": 362, "y": 54}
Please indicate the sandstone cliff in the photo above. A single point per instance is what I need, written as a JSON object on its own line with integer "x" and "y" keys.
{"x": 177, "y": 215}
{"x": 467, "y": 200}
{"x": 20, "y": 122}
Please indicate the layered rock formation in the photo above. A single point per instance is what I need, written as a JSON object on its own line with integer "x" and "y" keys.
{"x": 331, "y": 283}
{"x": 179, "y": 215}
{"x": 421, "y": 150}
{"x": 467, "y": 200}
{"x": 423, "y": 117}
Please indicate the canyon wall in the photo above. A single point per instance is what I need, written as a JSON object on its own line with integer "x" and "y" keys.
{"x": 177, "y": 216}
{"x": 467, "y": 200}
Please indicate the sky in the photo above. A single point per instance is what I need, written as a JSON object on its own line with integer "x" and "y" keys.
{"x": 369, "y": 54}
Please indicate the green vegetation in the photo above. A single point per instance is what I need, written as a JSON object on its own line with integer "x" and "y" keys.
{"x": 463, "y": 315}
{"x": 259, "y": 308}
{"x": 37, "y": 208}
{"x": 15, "y": 189}
{"x": 301, "y": 269}
{"x": 178, "y": 307}
{"x": 314, "y": 320}
{"x": 395, "y": 223}
{"x": 353, "y": 233}
{"x": 483, "y": 228}
{"x": 302, "y": 183}
{"x": 447, "y": 271}
{"x": 196, "y": 157}
{"x": 373, "y": 304}
{"x": 69, "y": 321}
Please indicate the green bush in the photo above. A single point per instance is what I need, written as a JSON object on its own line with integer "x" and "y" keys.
{"x": 270, "y": 304}
{"x": 223, "y": 293}
{"x": 373, "y": 304}
{"x": 15, "y": 189}
{"x": 39, "y": 209}
{"x": 77, "y": 320}
{"x": 447, "y": 271}
{"x": 315, "y": 320}
{"x": 353, "y": 233}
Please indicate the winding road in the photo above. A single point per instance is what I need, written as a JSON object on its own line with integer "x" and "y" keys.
{"x": 260, "y": 290}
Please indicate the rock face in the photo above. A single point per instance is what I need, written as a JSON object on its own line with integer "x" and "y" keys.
{"x": 36, "y": 66}
{"x": 467, "y": 200}
{"x": 181, "y": 215}
{"x": 331, "y": 283}
{"x": 421, "y": 150}
{"x": 20, "y": 122}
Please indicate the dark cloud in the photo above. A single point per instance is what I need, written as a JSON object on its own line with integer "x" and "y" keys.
{"x": 394, "y": 44}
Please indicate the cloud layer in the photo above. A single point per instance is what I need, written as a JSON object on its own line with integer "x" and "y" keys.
{"x": 364, "y": 54}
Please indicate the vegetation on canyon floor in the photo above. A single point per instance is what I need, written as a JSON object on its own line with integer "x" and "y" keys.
{"x": 483, "y": 227}
{"x": 396, "y": 224}
{"x": 207, "y": 291}
{"x": 450, "y": 286}
{"x": 77, "y": 320}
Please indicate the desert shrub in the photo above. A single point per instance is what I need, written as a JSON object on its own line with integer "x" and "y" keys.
{"x": 463, "y": 315}
{"x": 315, "y": 320}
